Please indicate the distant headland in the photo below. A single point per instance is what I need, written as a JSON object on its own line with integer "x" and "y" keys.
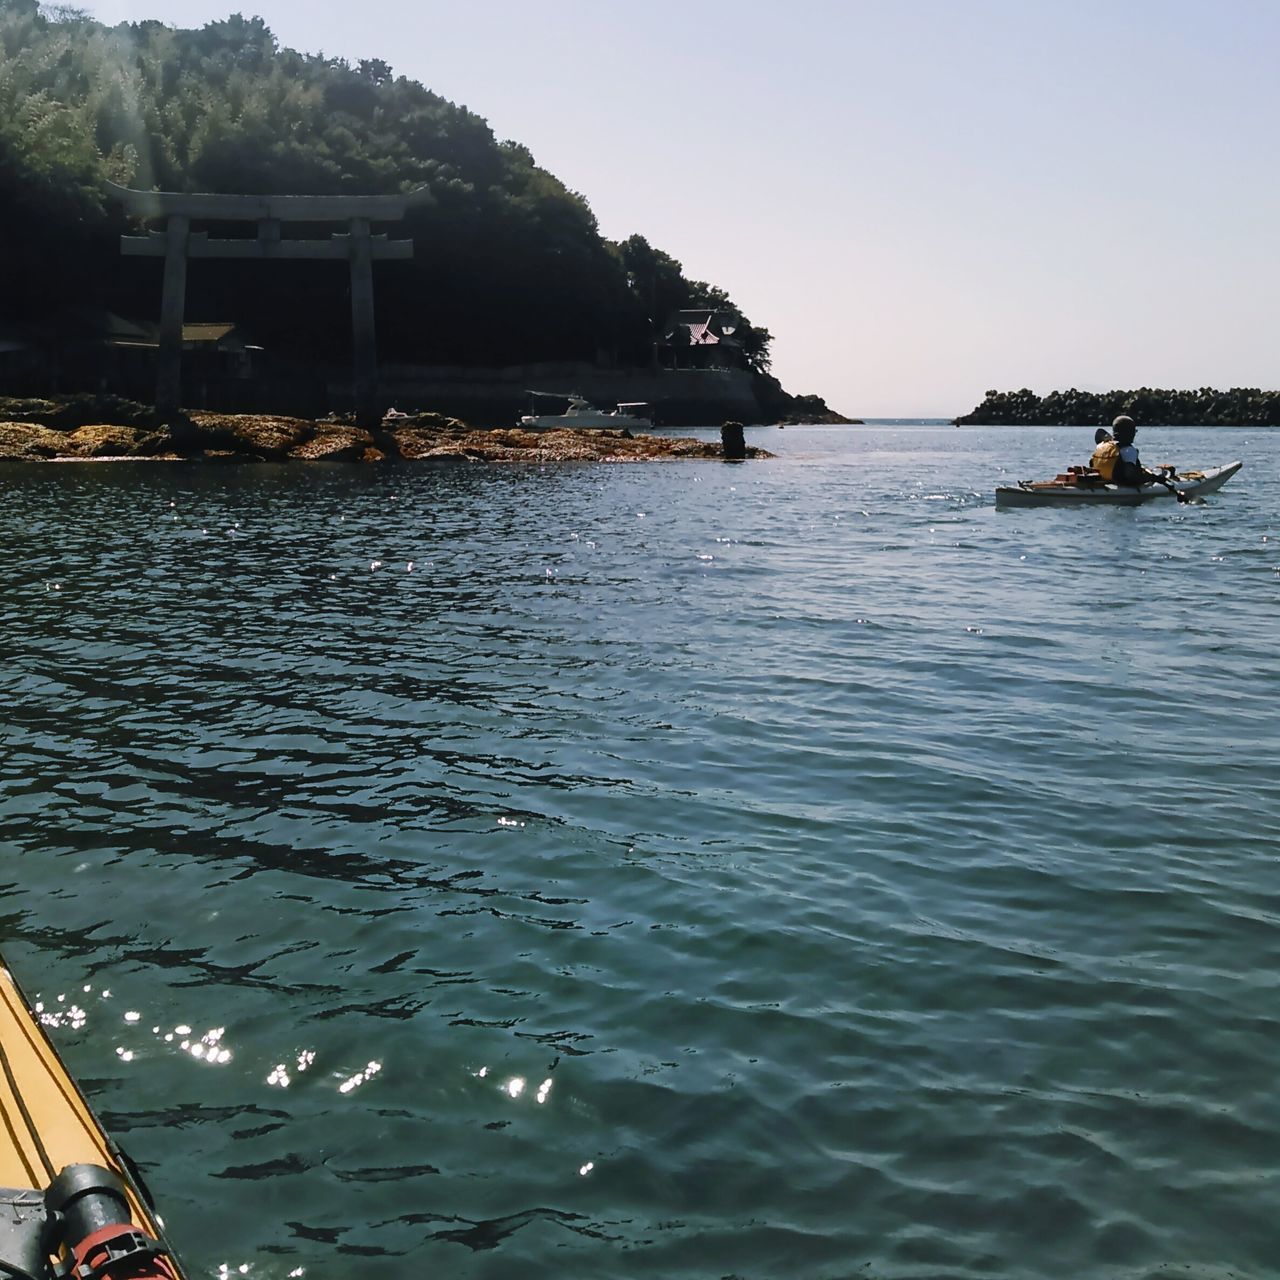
{"x": 1240, "y": 406}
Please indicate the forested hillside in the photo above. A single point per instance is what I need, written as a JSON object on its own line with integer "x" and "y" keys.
{"x": 509, "y": 264}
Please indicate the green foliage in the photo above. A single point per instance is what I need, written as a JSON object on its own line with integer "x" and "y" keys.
{"x": 658, "y": 284}
{"x": 1240, "y": 406}
{"x": 509, "y": 264}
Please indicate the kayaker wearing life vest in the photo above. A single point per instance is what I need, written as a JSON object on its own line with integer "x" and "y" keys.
{"x": 1128, "y": 469}
{"x": 1105, "y": 454}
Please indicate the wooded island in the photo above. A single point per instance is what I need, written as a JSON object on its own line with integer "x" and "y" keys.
{"x": 509, "y": 270}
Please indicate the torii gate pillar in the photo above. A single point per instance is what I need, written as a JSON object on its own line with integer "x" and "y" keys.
{"x": 177, "y": 243}
{"x": 364, "y": 346}
{"x": 173, "y": 303}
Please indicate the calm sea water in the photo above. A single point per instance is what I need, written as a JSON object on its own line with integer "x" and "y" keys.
{"x": 685, "y": 870}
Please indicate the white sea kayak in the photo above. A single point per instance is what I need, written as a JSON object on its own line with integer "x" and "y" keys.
{"x": 1078, "y": 492}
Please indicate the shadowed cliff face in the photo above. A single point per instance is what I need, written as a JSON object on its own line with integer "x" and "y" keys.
{"x": 264, "y": 438}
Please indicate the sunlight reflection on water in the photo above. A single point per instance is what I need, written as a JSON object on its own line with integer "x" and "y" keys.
{"x": 680, "y": 870}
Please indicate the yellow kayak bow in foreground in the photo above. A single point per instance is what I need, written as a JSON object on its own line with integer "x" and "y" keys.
{"x": 70, "y": 1205}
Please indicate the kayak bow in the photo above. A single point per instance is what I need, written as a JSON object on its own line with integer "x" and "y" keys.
{"x": 70, "y": 1204}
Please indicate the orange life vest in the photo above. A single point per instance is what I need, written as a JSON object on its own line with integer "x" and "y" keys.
{"x": 1104, "y": 459}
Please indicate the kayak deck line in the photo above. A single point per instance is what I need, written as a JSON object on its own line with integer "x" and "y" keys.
{"x": 55, "y": 1153}
{"x": 36, "y": 1083}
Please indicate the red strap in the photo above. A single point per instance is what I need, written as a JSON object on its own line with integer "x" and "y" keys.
{"x": 121, "y": 1251}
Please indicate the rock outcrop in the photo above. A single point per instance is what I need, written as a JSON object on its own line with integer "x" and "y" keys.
{"x": 52, "y": 431}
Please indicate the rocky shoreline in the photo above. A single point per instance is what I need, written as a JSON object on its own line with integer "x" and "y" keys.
{"x": 93, "y": 429}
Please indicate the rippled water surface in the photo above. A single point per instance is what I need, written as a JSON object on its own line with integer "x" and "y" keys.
{"x": 683, "y": 870}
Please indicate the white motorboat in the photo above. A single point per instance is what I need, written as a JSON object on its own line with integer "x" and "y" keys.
{"x": 582, "y": 413}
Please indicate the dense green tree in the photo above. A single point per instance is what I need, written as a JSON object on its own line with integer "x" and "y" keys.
{"x": 658, "y": 284}
{"x": 509, "y": 264}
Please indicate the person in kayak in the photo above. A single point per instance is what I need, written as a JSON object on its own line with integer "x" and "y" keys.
{"x": 1128, "y": 469}
{"x": 1105, "y": 454}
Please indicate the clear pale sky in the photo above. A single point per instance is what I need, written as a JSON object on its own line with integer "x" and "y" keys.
{"x": 921, "y": 199}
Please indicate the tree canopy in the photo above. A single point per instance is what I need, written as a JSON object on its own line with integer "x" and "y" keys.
{"x": 509, "y": 264}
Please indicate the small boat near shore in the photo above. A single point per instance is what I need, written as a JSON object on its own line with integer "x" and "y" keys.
{"x": 582, "y": 413}
{"x": 1079, "y": 489}
{"x": 72, "y": 1202}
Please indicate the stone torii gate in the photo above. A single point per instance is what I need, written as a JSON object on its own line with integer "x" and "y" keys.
{"x": 177, "y": 242}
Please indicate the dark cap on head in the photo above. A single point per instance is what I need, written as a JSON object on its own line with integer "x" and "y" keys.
{"x": 1100, "y": 435}
{"x": 1124, "y": 429}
